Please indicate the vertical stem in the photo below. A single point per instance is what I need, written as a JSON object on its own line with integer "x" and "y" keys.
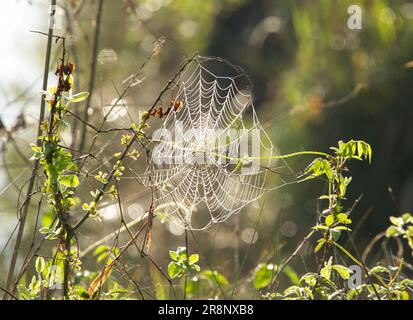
{"x": 66, "y": 270}
{"x": 92, "y": 74}
{"x": 73, "y": 52}
{"x": 26, "y": 205}
{"x": 187, "y": 259}
{"x": 237, "y": 245}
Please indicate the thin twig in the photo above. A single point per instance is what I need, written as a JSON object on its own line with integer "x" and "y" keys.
{"x": 291, "y": 257}
{"x": 92, "y": 73}
{"x": 246, "y": 253}
{"x": 7, "y": 292}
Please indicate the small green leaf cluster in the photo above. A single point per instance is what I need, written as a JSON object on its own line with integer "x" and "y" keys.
{"x": 194, "y": 281}
{"x": 49, "y": 276}
{"x": 327, "y": 283}
{"x": 181, "y": 264}
{"x": 57, "y": 162}
{"x": 335, "y": 219}
{"x": 392, "y": 287}
{"x": 402, "y": 227}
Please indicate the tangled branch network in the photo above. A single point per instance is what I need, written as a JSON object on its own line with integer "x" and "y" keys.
{"x": 211, "y": 154}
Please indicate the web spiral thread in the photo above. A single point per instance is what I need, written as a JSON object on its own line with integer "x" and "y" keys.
{"x": 207, "y": 175}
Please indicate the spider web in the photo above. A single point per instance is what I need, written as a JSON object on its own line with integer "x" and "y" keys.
{"x": 198, "y": 183}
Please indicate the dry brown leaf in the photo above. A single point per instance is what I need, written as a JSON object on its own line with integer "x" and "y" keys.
{"x": 100, "y": 280}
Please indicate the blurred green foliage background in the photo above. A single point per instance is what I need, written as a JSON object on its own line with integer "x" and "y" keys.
{"x": 315, "y": 82}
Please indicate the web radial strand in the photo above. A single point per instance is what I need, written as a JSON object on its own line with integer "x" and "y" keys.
{"x": 207, "y": 164}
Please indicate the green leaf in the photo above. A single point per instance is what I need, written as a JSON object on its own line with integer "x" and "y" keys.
{"x": 320, "y": 244}
{"x": 100, "y": 249}
{"x": 144, "y": 116}
{"x": 35, "y": 147}
{"x": 263, "y": 275}
{"x": 341, "y": 228}
{"x": 343, "y": 218}
{"x": 327, "y": 169}
{"x": 344, "y": 182}
{"x": 174, "y": 255}
{"x": 71, "y": 181}
{"x": 103, "y": 256}
{"x": 193, "y": 259}
{"x": 44, "y": 230}
{"x": 319, "y": 167}
{"x": 193, "y": 286}
{"x": 335, "y": 234}
{"x": 407, "y": 217}
{"x": 326, "y": 272}
{"x": 343, "y": 271}
{"x": 393, "y": 231}
{"x": 309, "y": 278}
{"x": 397, "y": 221}
{"x": 292, "y": 290}
{"x": 319, "y": 227}
{"x": 379, "y": 269}
{"x": 174, "y": 270}
{"x": 215, "y": 277}
{"x": 134, "y": 127}
{"x": 79, "y": 97}
{"x": 292, "y": 275}
{"x": 364, "y": 150}
{"x": 40, "y": 264}
{"x": 404, "y": 295}
{"x": 329, "y": 220}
